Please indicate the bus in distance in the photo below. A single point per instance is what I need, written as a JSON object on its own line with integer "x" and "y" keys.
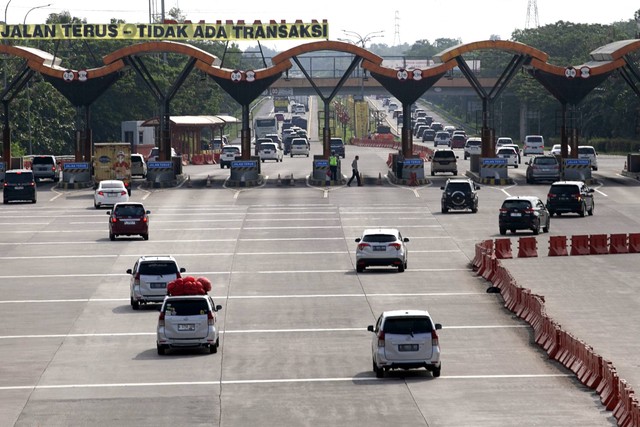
{"x": 264, "y": 125}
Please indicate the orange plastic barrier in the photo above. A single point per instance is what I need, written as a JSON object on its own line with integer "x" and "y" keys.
{"x": 598, "y": 244}
{"x": 390, "y": 160}
{"x": 580, "y": 245}
{"x": 618, "y": 244}
{"x": 634, "y": 243}
{"x": 503, "y": 248}
{"x": 208, "y": 159}
{"x": 197, "y": 159}
{"x": 558, "y": 246}
{"x": 527, "y": 247}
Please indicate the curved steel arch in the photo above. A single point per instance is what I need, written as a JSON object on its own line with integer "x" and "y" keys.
{"x": 161, "y": 46}
{"x": 505, "y": 45}
{"x": 327, "y": 45}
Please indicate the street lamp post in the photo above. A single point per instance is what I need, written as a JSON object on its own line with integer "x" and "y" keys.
{"x": 357, "y": 39}
{"x": 24, "y": 22}
{"x": 5, "y": 11}
{"x": 29, "y": 11}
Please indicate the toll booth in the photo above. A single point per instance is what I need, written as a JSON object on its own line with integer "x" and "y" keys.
{"x": 576, "y": 170}
{"x": 493, "y": 168}
{"x": 245, "y": 172}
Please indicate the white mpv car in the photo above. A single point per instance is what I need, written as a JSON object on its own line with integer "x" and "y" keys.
{"x": 150, "y": 276}
{"x": 405, "y": 339}
{"x": 188, "y": 321}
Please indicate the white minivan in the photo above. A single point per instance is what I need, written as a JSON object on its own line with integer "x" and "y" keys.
{"x": 533, "y": 144}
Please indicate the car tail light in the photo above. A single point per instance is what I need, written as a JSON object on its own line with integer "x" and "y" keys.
{"x": 136, "y": 280}
{"x": 434, "y": 338}
{"x": 551, "y": 196}
{"x": 161, "y": 319}
{"x": 53, "y": 168}
{"x": 361, "y": 246}
{"x": 114, "y": 219}
{"x": 381, "y": 339}
{"x": 144, "y": 219}
{"x": 100, "y": 193}
{"x": 504, "y": 210}
{"x": 122, "y": 193}
{"x": 529, "y": 211}
{"x": 210, "y": 318}
{"x": 6, "y": 185}
{"x": 397, "y": 246}
{"x": 577, "y": 196}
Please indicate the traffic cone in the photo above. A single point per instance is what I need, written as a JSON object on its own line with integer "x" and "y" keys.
{"x": 208, "y": 181}
{"x": 279, "y": 182}
{"x": 189, "y": 181}
{"x": 379, "y": 178}
{"x": 292, "y": 181}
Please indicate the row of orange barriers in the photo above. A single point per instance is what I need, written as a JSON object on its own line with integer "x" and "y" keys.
{"x": 593, "y": 244}
{"x": 591, "y": 369}
{"x": 200, "y": 159}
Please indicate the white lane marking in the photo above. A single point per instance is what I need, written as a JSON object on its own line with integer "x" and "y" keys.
{"x": 504, "y": 190}
{"x": 241, "y": 297}
{"x": 315, "y": 227}
{"x": 287, "y": 239}
{"x": 210, "y": 254}
{"x": 273, "y": 381}
{"x": 600, "y": 192}
{"x": 182, "y": 221}
{"x": 193, "y": 273}
{"x": 237, "y": 331}
{"x": 236, "y": 193}
{"x": 415, "y": 192}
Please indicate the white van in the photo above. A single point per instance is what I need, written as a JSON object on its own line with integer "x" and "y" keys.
{"x": 588, "y": 152}
{"x": 533, "y": 144}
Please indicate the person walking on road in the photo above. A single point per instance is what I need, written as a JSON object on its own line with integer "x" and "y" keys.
{"x": 333, "y": 166}
{"x": 355, "y": 172}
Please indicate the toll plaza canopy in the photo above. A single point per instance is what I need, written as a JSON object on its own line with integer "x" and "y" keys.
{"x": 569, "y": 83}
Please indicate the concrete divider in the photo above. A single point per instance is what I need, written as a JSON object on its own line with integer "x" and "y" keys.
{"x": 580, "y": 245}
{"x": 558, "y": 246}
{"x": 598, "y": 244}
{"x": 527, "y": 247}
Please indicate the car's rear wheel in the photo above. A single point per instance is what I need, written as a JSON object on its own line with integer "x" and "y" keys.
{"x": 547, "y": 226}
{"x": 436, "y": 371}
{"x": 474, "y": 210}
{"x": 135, "y": 304}
{"x": 513, "y": 231}
{"x": 145, "y": 236}
{"x": 445, "y": 210}
{"x": 401, "y": 268}
{"x": 590, "y": 211}
{"x": 536, "y": 228}
{"x": 583, "y": 208}
{"x": 213, "y": 348}
{"x": 359, "y": 268}
{"x": 161, "y": 350}
{"x": 503, "y": 231}
{"x": 112, "y": 236}
{"x": 379, "y": 371}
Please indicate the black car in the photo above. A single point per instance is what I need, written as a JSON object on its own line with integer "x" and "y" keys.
{"x": 523, "y": 213}
{"x": 19, "y": 185}
{"x": 570, "y": 196}
{"x": 337, "y": 145}
{"x": 459, "y": 194}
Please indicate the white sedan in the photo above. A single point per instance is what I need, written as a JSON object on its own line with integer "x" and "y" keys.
{"x": 557, "y": 149}
{"x": 110, "y": 192}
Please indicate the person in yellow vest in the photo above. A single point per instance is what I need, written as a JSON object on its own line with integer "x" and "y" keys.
{"x": 333, "y": 166}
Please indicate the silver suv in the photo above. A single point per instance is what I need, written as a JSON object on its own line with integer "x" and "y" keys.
{"x": 45, "y": 167}
{"x": 188, "y": 322}
{"x": 149, "y": 278}
{"x": 405, "y": 339}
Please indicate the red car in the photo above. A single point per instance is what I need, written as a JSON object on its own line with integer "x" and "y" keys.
{"x": 458, "y": 141}
{"x": 128, "y": 219}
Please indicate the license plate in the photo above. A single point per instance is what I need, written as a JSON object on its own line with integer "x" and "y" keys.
{"x": 516, "y": 214}
{"x": 19, "y": 187}
{"x": 186, "y": 327}
{"x": 408, "y": 347}
{"x": 111, "y": 194}
{"x": 379, "y": 248}
{"x": 129, "y": 223}
{"x": 158, "y": 285}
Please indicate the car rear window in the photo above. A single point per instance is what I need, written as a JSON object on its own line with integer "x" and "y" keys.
{"x": 186, "y": 307}
{"x": 112, "y": 185}
{"x": 473, "y": 143}
{"x": 506, "y": 151}
{"x": 586, "y": 150}
{"x": 379, "y": 238}
{"x": 158, "y": 268}
{"x": 444, "y": 155}
{"x": 534, "y": 139}
{"x": 516, "y": 204}
{"x": 458, "y": 186}
{"x": 545, "y": 161}
{"x": 45, "y": 160}
{"x": 267, "y": 146}
{"x": 564, "y": 189}
{"x": 407, "y": 325}
{"x": 19, "y": 178}
{"x": 129, "y": 210}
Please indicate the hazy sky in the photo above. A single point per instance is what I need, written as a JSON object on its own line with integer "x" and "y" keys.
{"x": 407, "y": 21}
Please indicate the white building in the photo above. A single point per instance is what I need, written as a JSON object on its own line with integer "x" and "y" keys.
{"x": 133, "y": 132}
